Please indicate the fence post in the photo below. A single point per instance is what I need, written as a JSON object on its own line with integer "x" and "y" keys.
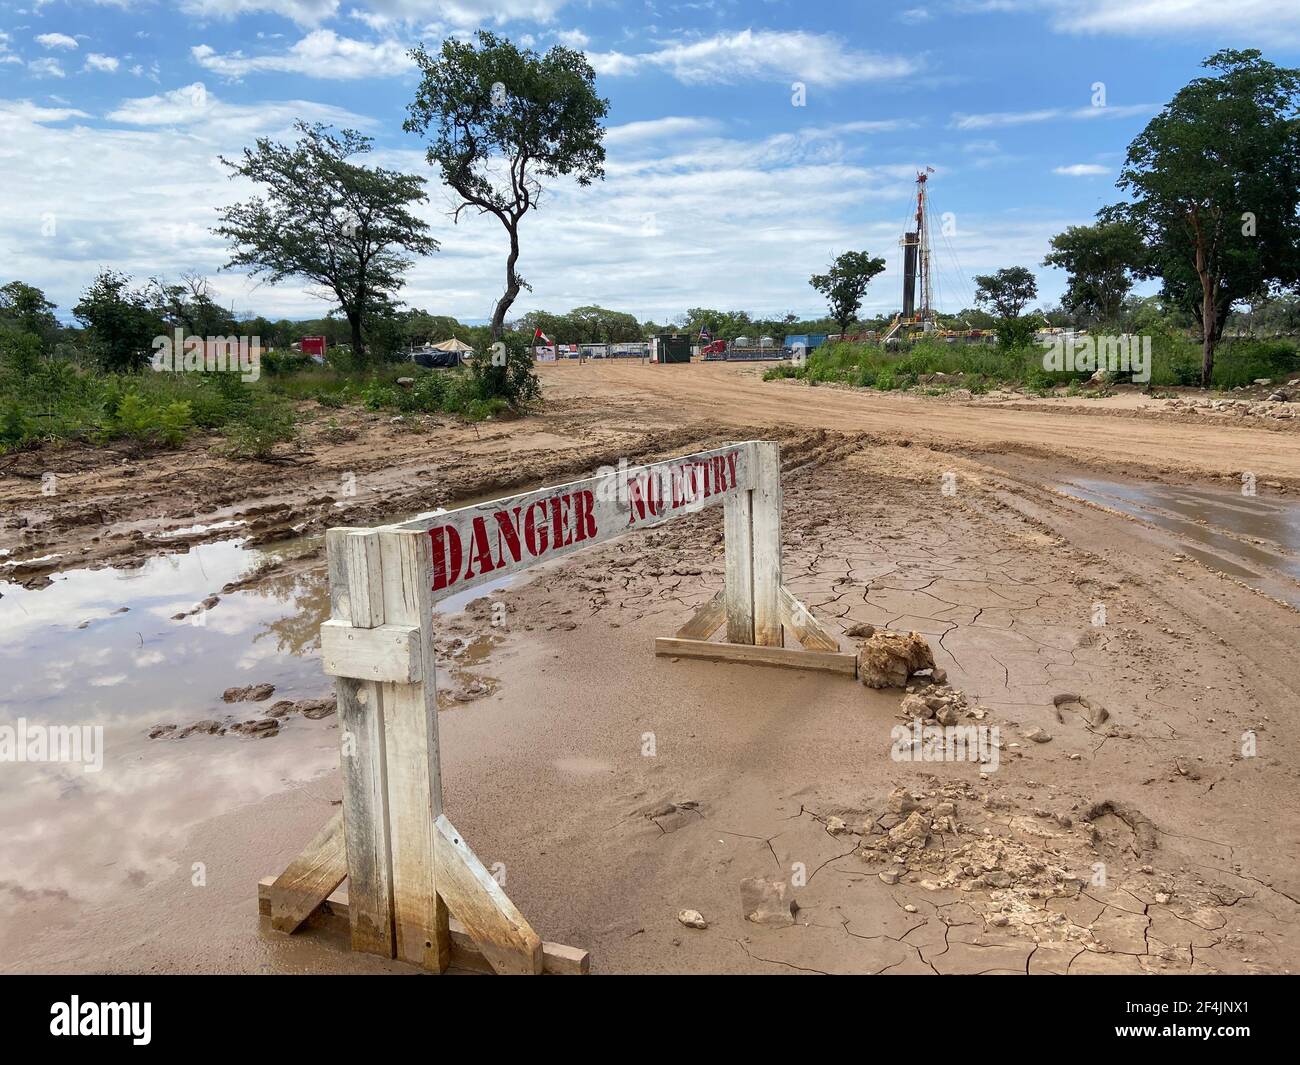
{"x": 766, "y": 526}
{"x": 738, "y": 512}
{"x": 356, "y": 598}
{"x": 412, "y": 759}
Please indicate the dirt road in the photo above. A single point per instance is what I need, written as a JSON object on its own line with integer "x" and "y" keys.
{"x": 1116, "y": 434}
{"x": 1126, "y": 637}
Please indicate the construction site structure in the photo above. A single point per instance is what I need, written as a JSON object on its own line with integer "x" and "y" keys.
{"x": 918, "y": 313}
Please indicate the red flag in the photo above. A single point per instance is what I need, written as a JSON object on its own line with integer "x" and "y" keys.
{"x": 539, "y": 335}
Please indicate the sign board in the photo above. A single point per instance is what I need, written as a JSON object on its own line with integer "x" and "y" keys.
{"x": 480, "y": 543}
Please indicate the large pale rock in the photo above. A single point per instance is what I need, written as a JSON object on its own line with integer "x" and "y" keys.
{"x": 887, "y": 659}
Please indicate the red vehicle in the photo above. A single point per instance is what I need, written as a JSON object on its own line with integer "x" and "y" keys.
{"x": 716, "y": 347}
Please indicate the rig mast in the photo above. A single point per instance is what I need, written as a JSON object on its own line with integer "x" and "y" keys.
{"x": 916, "y": 263}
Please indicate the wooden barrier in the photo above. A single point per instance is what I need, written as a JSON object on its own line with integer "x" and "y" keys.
{"x": 409, "y": 870}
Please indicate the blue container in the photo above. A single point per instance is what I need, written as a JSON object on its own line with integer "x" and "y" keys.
{"x": 807, "y": 340}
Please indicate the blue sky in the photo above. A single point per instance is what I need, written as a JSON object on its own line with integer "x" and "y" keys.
{"x": 720, "y": 190}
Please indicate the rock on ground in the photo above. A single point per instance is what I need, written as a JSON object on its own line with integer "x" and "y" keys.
{"x": 764, "y": 901}
{"x": 887, "y": 659}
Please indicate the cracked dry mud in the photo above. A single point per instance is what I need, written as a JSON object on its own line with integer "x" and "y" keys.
{"x": 1028, "y": 868}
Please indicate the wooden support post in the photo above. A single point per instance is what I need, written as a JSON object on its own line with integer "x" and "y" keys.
{"x": 785, "y": 657}
{"x": 412, "y": 760}
{"x": 507, "y": 941}
{"x": 331, "y": 915}
{"x": 356, "y": 597}
{"x": 766, "y": 519}
{"x": 309, "y": 878}
{"x": 707, "y": 618}
{"x": 739, "y": 535}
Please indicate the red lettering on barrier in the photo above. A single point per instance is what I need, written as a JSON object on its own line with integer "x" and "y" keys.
{"x": 563, "y": 535}
{"x": 446, "y": 556}
{"x": 584, "y": 507}
{"x": 546, "y": 525}
{"x": 481, "y": 550}
{"x": 535, "y": 530}
{"x": 508, "y": 536}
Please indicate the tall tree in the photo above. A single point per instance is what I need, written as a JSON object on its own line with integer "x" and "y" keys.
{"x": 1008, "y": 292}
{"x": 1101, "y": 261}
{"x": 120, "y": 320}
{"x": 845, "y": 284}
{"x": 1215, "y": 181}
{"x": 191, "y": 304}
{"x": 24, "y": 309}
{"x": 328, "y": 220}
{"x": 498, "y": 120}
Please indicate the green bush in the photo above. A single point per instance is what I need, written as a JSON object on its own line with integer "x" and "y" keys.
{"x": 267, "y": 421}
{"x": 508, "y": 374}
{"x": 279, "y": 363}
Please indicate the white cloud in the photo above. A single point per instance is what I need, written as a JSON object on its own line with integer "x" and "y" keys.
{"x": 1279, "y": 19}
{"x": 573, "y": 38}
{"x": 303, "y": 12}
{"x": 1227, "y": 19}
{"x": 460, "y": 13}
{"x": 760, "y": 55}
{"x": 613, "y": 64}
{"x": 1081, "y": 170}
{"x": 56, "y": 40}
{"x": 156, "y": 183}
{"x": 196, "y": 106}
{"x": 1019, "y": 118}
{"x": 659, "y": 129}
{"x": 106, "y": 63}
{"x": 320, "y": 54}
{"x": 46, "y": 68}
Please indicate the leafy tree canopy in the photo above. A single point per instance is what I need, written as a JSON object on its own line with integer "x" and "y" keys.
{"x": 845, "y": 284}
{"x": 1007, "y": 292}
{"x": 328, "y": 220}
{"x": 1215, "y": 186}
{"x": 498, "y": 120}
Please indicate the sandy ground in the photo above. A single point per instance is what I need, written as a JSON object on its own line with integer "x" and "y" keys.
{"x": 756, "y": 772}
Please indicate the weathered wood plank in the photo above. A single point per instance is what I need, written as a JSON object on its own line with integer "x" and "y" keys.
{"x": 414, "y": 771}
{"x": 738, "y": 529}
{"x": 766, "y": 524}
{"x": 354, "y": 559}
{"x": 811, "y": 633}
{"x": 496, "y": 926}
{"x": 310, "y": 878}
{"x": 384, "y": 653}
{"x": 706, "y": 619}
{"x": 784, "y": 657}
{"x": 365, "y": 584}
{"x": 332, "y": 917}
{"x": 479, "y": 543}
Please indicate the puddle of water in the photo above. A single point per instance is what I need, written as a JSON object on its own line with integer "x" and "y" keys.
{"x": 70, "y": 655}
{"x": 1207, "y": 518}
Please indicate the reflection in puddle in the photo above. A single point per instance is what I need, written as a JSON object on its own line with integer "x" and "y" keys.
{"x": 1214, "y": 521}
{"x": 100, "y": 648}
{"x": 104, "y": 648}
